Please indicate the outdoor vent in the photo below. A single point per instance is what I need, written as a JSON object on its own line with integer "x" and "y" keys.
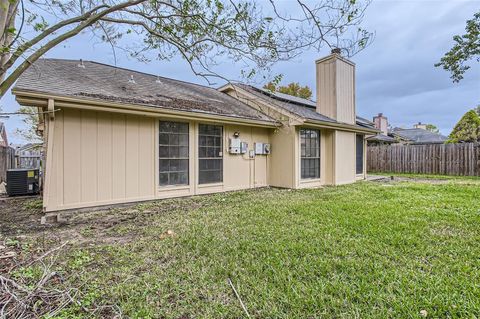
{"x": 132, "y": 80}
{"x": 81, "y": 65}
{"x": 22, "y": 181}
{"x": 158, "y": 80}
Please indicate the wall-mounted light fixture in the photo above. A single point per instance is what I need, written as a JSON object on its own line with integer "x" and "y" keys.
{"x": 236, "y": 134}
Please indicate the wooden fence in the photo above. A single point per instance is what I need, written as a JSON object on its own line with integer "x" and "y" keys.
{"x": 7, "y": 161}
{"x": 441, "y": 159}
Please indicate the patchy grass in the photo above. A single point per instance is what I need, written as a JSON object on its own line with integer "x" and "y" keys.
{"x": 356, "y": 251}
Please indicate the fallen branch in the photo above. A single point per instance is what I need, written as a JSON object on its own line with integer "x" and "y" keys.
{"x": 238, "y": 297}
{"x": 46, "y": 254}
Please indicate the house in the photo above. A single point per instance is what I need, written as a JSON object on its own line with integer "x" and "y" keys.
{"x": 417, "y": 135}
{"x": 380, "y": 122}
{"x": 114, "y": 135}
{"x": 29, "y": 155}
{"x": 3, "y": 135}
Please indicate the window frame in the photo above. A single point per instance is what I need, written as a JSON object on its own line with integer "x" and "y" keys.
{"x": 215, "y": 147}
{"x": 363, "y": 154}
{"x": 303, "y": 157}
{"x": 170, "y": 158}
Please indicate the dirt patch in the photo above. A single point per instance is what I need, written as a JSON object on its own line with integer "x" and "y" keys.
{"x": 20, "y": 215}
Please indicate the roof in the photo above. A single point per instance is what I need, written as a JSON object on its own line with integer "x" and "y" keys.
{"x": 28, "y": 146}
{"x": 382, "y": 138}
{"x": 93, "y": 80}
{"x": 364, "y": 122}
{"x": 298, "y": 106}
{"x": 419, "y": 136}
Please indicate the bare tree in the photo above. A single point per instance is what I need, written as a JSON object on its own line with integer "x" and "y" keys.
{"x": 197, "y": 30}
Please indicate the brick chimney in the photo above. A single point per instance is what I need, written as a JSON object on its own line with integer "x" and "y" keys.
{"x": 381, "y": 123}
{"x": 336, "y": 87}
{"x": 420, "y": 125}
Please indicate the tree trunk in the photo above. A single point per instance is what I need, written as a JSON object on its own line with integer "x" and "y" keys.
{"x": 8, "y": 11}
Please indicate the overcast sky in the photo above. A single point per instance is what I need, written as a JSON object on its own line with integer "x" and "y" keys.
{"x": 395, "y": 75}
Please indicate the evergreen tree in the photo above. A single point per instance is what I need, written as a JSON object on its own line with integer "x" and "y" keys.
{"x": 467, "y": 129}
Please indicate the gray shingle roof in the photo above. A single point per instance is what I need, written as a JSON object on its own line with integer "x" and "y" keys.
{"x": 105, "y": 82}
{"x": 301, "y": 107}
{"x": 292, "y": 104}
{"x": 382, "y": 138}
{"x": 364, "y": 122}
{"x": 420, "y": 136}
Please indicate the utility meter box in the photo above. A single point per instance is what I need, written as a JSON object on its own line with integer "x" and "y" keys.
{"x": 243, "y": 147}
{"x": 235, "y": 145}
{"x": 262, "y": 148}
{"x": 266, "y": 148}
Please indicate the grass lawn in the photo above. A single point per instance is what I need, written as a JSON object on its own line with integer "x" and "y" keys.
{"x": 368, "y": 250}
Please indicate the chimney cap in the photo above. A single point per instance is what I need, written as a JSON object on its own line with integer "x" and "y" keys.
{"x": 337, "y": 51}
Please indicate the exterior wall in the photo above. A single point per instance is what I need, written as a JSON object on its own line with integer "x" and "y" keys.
{"x": 325, "y": 84}
{"x": 345, "y": 92}
{"x": 344, "y": 157}
{"x": 239, "y": 170}
{"x": 335, "y": 82}
{"x": 282, "y": 160}
{"x": 100, "y": 158}
{"x": 326, "y": 161}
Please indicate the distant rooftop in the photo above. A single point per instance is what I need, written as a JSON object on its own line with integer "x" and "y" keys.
{"x": 419, "y": 136}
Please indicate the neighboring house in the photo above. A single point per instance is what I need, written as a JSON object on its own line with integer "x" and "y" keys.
{"x": 380, "y": 122}
{"x": 29, "y": 155}
{"x": 3, "y": 135}
{"x": 416, "y": 135}
{"x": 115, "y": 135}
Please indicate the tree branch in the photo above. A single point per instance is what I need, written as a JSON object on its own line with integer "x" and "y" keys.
{"x": 5, "y": 85}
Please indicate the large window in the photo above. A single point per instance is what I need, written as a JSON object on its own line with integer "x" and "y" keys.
{"x": 173, "y": 153}
{"x": 210, "y": 154}
{"x": 310, "y": 153}
{"x": 359, "y": 146}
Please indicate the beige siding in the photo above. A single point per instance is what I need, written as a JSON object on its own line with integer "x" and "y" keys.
{"x": 344, "y": 157}
{"x": 282, "y": 161}
{"x": 91, "y": 164}
{"x": 103, "y": 158}
{"x": 239, "y": 171}
{"x": 326, "y": 161}
{"x": 345, "y": 92}
{"x": 326, "y": 95}
{"x": 328, "y": 157}
{"x": 335, "y": 84}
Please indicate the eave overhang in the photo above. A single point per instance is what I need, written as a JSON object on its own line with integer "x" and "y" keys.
{"x": 40, "y": 99}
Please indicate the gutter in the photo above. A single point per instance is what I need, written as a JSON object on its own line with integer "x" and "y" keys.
{"x": 31, "y": 98}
